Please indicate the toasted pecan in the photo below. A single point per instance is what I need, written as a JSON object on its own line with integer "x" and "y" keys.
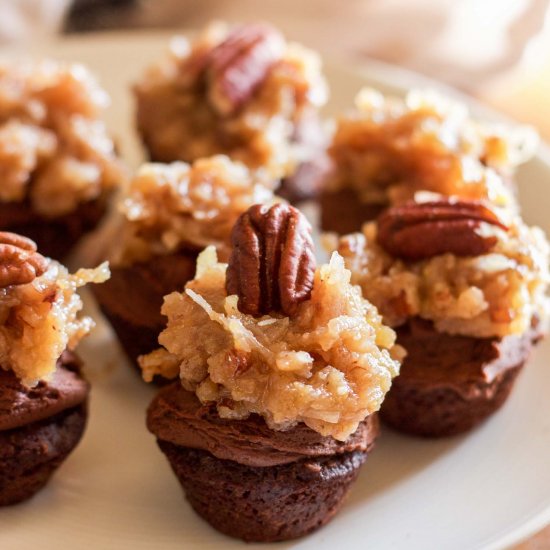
{"x": 239, "y": 64}
{"x": 415, "y": 231}
{"x": 272, "y": 264}
{"x": 20, "y": 263}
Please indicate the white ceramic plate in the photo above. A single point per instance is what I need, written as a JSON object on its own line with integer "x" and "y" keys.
{"x": 486, "y": 490}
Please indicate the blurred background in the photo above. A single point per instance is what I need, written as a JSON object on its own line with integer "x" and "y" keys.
{"x": 498, "y": 50}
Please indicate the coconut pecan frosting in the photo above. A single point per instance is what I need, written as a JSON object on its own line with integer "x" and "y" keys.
{"x": 468, "y": 266}
{"x": 55, "y": 151}
{"x": 39, "y": 308}
{"x": 390, "y": 148}
{"x": 242, "y": 91}
{"x": 273, "y": 334}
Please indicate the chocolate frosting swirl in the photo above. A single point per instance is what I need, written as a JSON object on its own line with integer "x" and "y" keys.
{"x": 177, "y": 416}
{"x": 21, "y": 405}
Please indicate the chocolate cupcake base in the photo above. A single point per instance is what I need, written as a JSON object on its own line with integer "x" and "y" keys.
{"x": 307, "y": 181}
{"x": 264, "y": 504}
{"x": 55, "y": 237}
{"x": 450, "y": 384}
{"x": 31, "y": 454}
{"x": 39, "y": 427}
{"x": 249, "y": 481}
{"x": 134, "y": 339}
{"x": 132, "y": 298}
{"x": 343, "y": 211}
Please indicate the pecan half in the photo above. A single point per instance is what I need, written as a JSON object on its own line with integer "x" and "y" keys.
{"x": 416, "y": 231}
{"x": 272, "y": 264}
{"x": 240, "y": 64}
{"x": 20, "y": 263}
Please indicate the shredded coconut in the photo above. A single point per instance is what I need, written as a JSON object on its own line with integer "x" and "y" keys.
{"x": 170, "y": 206}
{"x": 390, "y": 148}
{"x": 39, "y": 320}
{"x": 328, "y": 366}
{"x": 177, "y": 122}
{"x": 51, "y": 136}
{"x": 495, "y": 294}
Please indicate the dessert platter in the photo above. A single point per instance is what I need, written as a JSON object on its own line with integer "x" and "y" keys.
{"x": 315, "y": 306}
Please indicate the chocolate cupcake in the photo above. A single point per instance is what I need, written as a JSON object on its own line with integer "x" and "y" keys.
{"x": 449, "y": 383}
{"x": 57, "y": 161}
{"x": 281, "y": 370}
{"x": 389, "y": 150}
{"x": 168, "y": 214}
{"x": 43, "y": 395}
{"x": 464, "y": 285}
{"x": 270, "y": 479}
{"x": 244, "y": 92}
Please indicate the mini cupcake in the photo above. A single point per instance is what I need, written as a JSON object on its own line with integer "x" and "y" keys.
{"x": 241, "y": 91}
{"x": 464, "y": 286}
{"x": 281, "y": 368}
{"x": 389, "y": 149}
{"x": 57, "y": 161}
{"x": 170, "y": 212}
{"x": 43, "y": 396}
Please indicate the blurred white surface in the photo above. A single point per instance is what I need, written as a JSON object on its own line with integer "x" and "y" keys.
{"x": 463, "y": 42}
{"x": 24, "y": 20}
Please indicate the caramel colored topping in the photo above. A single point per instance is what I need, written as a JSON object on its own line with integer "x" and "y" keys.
{"x": 55, "y": 151}
{"x": 40, "y": 319}
{"x": 493, "y": 294}
{"x": 169, "y": 207}
{"x": 243, "y": 92}
{"x": 390, "y": 149}
{"x": 328, "y": 365}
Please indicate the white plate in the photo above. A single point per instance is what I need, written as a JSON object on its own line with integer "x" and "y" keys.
{"x": 486, "y": 490}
